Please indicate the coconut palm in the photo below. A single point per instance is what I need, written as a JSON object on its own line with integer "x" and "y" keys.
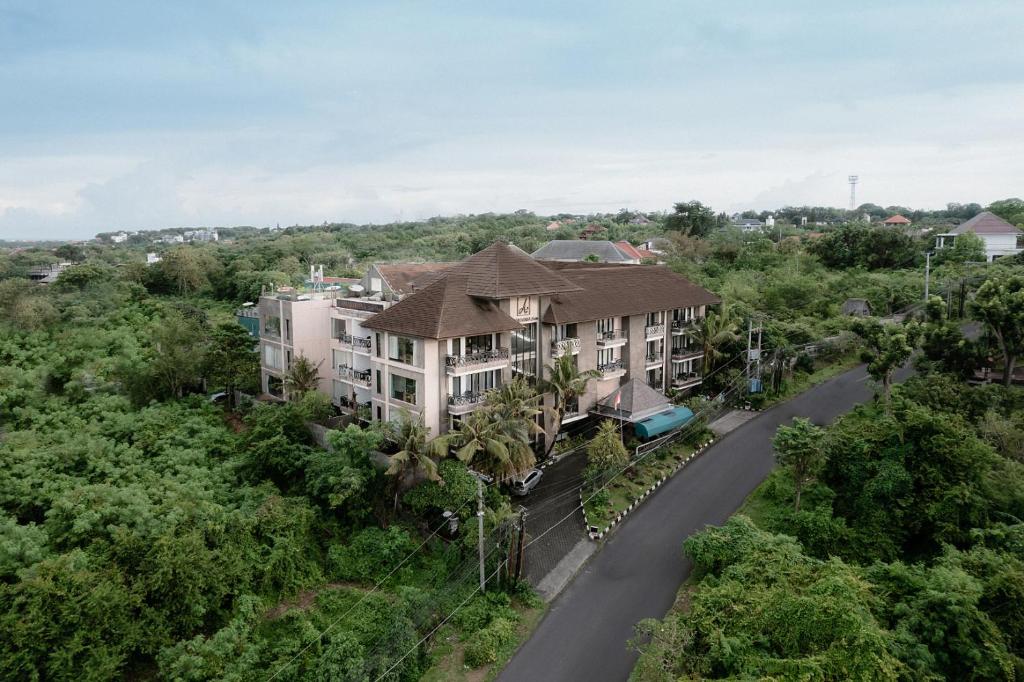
{"x": 716, "y": 331}
{"x": 567, "y": 383}
{"x": 483, "y": 442}
{"x": 302, "y": 377}
{"x": 516, "y": 406}
{"x": 415, "y": 460}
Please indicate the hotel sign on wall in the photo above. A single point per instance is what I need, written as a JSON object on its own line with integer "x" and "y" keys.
{"x": 524, "y": 308}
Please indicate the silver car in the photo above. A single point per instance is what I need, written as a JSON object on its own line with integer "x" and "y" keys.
{"x": 522, "y": 485}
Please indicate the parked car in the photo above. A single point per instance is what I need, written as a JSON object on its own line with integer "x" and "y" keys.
{"x": 522, "y": 485}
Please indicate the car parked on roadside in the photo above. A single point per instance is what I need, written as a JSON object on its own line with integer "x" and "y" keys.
{"x": 524, "y": 483}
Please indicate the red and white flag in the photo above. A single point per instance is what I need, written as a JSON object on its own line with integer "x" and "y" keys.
{"x": 618, "y": 399}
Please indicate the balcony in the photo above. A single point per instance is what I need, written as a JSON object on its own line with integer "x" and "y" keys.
{"x": 654, "y": 359}
{"x": 353, "y": 407}
{"x": 683, "y": 326}
{"x": 567, "y": 346}
{"x": 357, "y": 343}
{"x": 611, "y": 339}
{"x": 355, "y": 376}
{"x": 686, "y": 380}
{"x": 611, "y": 370}
{"x": 684, "y": 354}
{"x": 465, "y": 402}
{"x": 654, "y": 330}
{"x": 478, "y": 361}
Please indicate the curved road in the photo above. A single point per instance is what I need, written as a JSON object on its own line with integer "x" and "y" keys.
{"x": 637, "y": 573}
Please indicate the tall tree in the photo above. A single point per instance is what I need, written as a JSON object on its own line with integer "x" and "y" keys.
{"x": 691, "y": 218}
{"x": 714, "y": 334}
{"x": 999, "y": 303}
{"x": 799, "y": 449}
{"x": 888, "y": 347}
{"x": 302, "y": 377}
{"x": 606, "y": 454}
{"x": 415, "y": 460}
{"x": 231, "y": 361}
{"x": 177, "y": 353}
{"x": 567, "y": 383}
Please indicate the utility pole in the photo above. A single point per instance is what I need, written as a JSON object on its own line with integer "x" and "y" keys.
{"x": 480, "y": 527}
{"x": 519, "y": 544}
{"x": 927, "y": 272}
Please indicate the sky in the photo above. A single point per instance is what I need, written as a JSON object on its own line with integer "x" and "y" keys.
{"x": 146, "y": 115}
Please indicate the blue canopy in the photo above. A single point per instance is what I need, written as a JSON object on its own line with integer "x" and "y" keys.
{"x": 663, "y": 422}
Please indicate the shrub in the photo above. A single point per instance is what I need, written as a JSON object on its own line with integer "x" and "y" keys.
{"x": 458, "y": 488}
{"x": 370, "y": 555}
{"x": 487, "y": 644}
{"x": 483, "y": 610}
{"x": 804, "y": 363}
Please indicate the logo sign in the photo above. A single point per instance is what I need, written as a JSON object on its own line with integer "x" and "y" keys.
{"x": 524, "y": 308}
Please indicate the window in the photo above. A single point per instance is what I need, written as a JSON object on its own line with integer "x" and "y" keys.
{"x": 475, "y": 344}
{"x": 271, "y": 356}
{"x": 605, "y": 356}
{"x": 478, "y": 383}
{"x": 524, "y": 350}
{"x": 380, "y": 345}
{"x": 402, "y": 349}
{"x": 272, "y": 325}
{"x": 287, "y": 329}
{"x": 338, "y": 359}
{"x": 275, "y": 386}
{"x": 403, "y": 388}
{"x": 606, "y": 325}
{"x": 380, "y": 415}
{"x": 288, "y": 359}
{"x": 654, "y": 378}
{"x": 653, "y": 319}
{"x": 565, "y": 331}
{"x": 338, "y": 328}
{"x": 378, "y": 382}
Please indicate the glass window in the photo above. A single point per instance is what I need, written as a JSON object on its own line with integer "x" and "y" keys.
{"x": 338, "y": 328}
{"x": 475, "y": 344}
{"x": 402, "y": 349}
{"x": 403, "y": 388}
{"x": 378, "y": 382}
{"x": 275, "y": 386}
{"x": 272, "y": 325}
{"x": 524, "y": 350}
{"x": 287, "y": 329}
{"x": 606, "y": 325}
{"x": 271, "y": 356}
{"x": 605, "y": 356}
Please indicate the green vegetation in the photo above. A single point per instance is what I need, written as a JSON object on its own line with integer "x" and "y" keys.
{"x": 148, "y": 532}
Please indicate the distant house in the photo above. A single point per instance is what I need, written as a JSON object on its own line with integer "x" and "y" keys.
{"x": 47, "y": 274}
{"x": 119, "y": 238}
{"x": 769, "y": 221}
{"x": 896, "y": 221}
{"x": 591, "y": 230}
{"x": 152, "y": 257}
{"x": 639, "y": 219}
{"x": 554, "y": 225}
{"x": 1000, "y": 237}
{"x": 639, "y": 253}
{"x": 856, "y": 307}
{"x": 747, "y": 224}
{"x": 655, "y": 245}
{"x": 207, "y": 234}
{"x": 578, "y": 250}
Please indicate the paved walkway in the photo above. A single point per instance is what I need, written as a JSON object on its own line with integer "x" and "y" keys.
{"x": 638, "y": 571}
{"x": 554, "y": 498}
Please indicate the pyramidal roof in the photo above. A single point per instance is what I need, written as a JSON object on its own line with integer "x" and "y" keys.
{"x": 637, "y": 401}
{"x": 442, "y": 310}
{"x": 503, "y": 271}
{"x": 985, "y": 223}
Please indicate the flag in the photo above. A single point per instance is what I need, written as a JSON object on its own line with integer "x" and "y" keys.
{"x": 618, "y": 399}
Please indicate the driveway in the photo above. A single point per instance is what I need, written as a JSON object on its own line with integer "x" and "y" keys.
{"x": 637, "y": 573}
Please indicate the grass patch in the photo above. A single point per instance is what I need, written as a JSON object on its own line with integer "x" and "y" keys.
{"x": 449, "y": 648}
{"x": 605, "y": 505}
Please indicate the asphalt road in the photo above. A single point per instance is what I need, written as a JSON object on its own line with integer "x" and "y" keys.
{"x": 637, "y": 573}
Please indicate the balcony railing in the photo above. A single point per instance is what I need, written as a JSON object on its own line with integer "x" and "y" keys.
{"x": 356, "y": 376}
{"x": 686, "y": 378}
{"x": 654, "y": 330}
{"x": 465, "y": 402}
{"x": 482, "y": 357}
{"x": 655, "y": 358}
{"x": 567, "y": 346}
{"x": 610, "y": 368}
{"x": 680, "y": 354}
{"x": 683, "y": 326}
{"x": 611, "y": 337}
{"x": 358, "y": 343}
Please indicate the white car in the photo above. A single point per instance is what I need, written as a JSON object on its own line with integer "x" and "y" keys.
{"x": 522, "y": 485}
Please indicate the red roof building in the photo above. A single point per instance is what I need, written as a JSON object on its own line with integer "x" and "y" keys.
{"x": 896, "y": 221}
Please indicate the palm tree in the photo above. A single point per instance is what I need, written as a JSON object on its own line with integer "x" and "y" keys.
{"x": 302, "y": 377}
{"x": 567, "y": 383}
{"x": 516, "y": 406}
{"x": 714, "y": 332}
{"x": 482, "y": 440}
{"x": 414, "y": 462}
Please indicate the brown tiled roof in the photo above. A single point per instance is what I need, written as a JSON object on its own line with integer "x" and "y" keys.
{"x": 635, "y": 251}
{"x": 637, "y": 401}
{"x": 443, "y": 310}
{"x": 617, "y": 290}
{"x": 404, "y": 278}
{"x": 897, "y": 220}
{"x": 503, "y": 271}
{"x": 985, "y": 223}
